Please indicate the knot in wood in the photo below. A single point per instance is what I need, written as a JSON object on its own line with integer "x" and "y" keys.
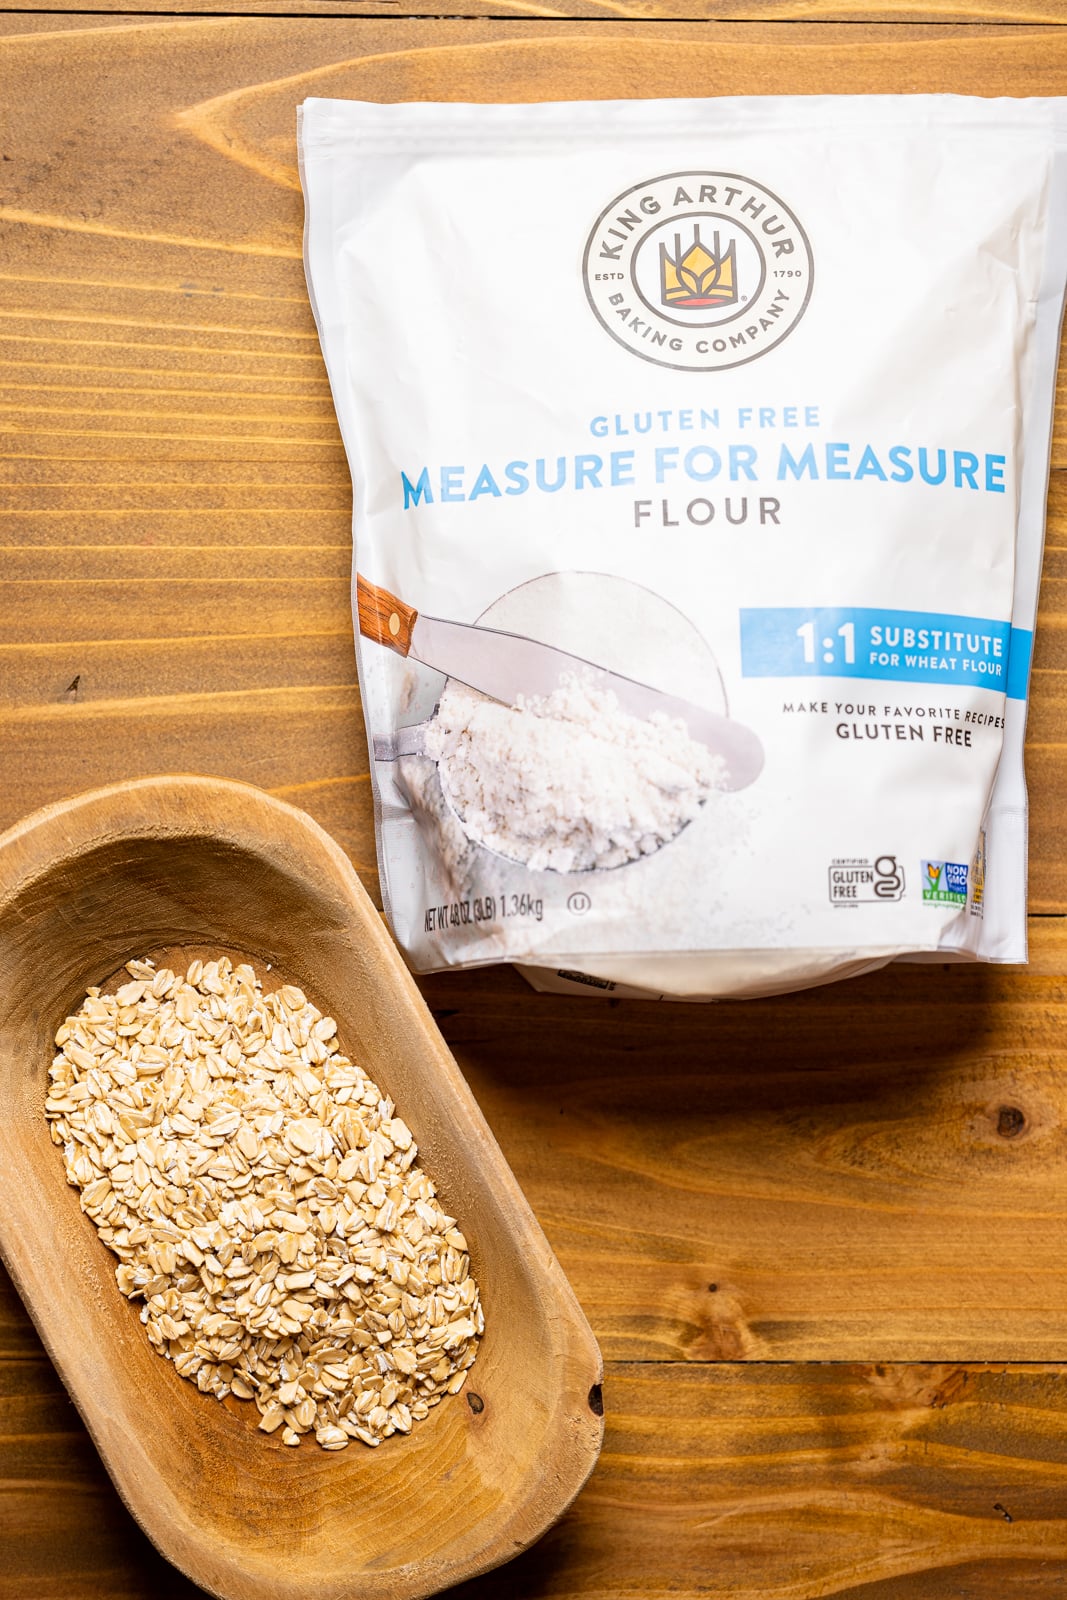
{"x": 1010, "y": 1122}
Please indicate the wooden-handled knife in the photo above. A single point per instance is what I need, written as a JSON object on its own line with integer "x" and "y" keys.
{"x": 506, "y": 666}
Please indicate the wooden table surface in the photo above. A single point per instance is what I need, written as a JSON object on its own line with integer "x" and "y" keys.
{"x": 822, "y": 1239}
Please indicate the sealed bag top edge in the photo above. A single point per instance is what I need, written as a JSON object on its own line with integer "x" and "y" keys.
{"x": 327, "y": 119}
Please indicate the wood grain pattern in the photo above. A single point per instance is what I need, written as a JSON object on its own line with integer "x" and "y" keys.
{"x": 976, "y": 15}
{"x": 382, "y": 617}
{"x": 868, "y": 1171}
{"x": 728, "y": 1482}
{"x": 770, "y": 1212}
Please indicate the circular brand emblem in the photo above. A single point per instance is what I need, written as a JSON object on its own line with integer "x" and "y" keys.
{"x": 698, "y": 270}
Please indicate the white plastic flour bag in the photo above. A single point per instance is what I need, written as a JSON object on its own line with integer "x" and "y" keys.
{"x": 699, "y": 453}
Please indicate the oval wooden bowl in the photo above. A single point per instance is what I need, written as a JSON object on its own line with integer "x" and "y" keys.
{"x": 192, "y": 863}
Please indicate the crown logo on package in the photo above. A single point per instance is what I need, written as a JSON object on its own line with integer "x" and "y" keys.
{"x": 700, "y": 277}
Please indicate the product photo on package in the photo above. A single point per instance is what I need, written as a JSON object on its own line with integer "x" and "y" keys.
{"x": 699, "y": 453}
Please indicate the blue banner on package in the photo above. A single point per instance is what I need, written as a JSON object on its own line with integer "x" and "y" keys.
{"x": 901, "y": 646}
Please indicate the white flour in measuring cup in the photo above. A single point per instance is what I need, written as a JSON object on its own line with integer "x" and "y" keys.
{"x": 699, "y": 453}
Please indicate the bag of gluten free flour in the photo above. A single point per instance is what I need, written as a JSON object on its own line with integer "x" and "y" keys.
{"x": 699, "y": 453}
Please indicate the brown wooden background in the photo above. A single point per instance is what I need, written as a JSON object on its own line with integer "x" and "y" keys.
{"x": 822, "y": 1239}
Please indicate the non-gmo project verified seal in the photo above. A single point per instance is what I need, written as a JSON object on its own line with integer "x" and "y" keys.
{"x": 944, "y": 882}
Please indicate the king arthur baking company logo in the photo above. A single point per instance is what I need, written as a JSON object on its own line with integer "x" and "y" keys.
{"x": 698, "y": 270}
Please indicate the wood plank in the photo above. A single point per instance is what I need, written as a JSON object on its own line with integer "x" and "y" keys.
{"x": 39, "y": 676}
{"x": 976, "y": 15}
{"x": 64, "y": 1532}
{"x": 866, "y": 1171}
{"x": 37, "y": 486}
{"x": 779, "y": 1481}
{"x": 305, "y": 744}
{"x": 887, "y": 1482}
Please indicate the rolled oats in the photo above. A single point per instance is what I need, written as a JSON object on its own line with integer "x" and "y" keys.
{"x": 263, "y": 1200}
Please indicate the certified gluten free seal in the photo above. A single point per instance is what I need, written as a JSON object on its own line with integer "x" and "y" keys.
{"x": 698, "y": 271}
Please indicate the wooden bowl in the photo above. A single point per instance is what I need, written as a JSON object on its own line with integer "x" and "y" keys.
{"x": 143, "y": 867}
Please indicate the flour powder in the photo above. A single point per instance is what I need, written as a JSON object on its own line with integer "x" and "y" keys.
{"x": 699, "y": 453}
{"x": 567, "y": 781}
